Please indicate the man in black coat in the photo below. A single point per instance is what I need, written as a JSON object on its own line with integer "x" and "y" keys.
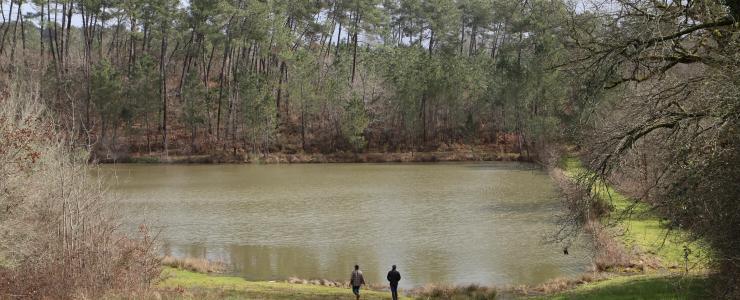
{"x": 394, "y": 277}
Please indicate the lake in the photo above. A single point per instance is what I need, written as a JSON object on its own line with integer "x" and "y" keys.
{"x": 451, "y": 223}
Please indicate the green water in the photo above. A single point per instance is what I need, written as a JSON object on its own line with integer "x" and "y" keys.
{"x": 442, "y": 223}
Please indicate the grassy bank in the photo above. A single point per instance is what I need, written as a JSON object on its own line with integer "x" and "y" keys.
{"x": 654, "y": 286}
{"x": 640, "y": 229}
{"x": 643, "y": 234}
{"x": 182, "y": 284}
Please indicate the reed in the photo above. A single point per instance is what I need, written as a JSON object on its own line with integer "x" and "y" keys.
{"x": 198, "y": 265}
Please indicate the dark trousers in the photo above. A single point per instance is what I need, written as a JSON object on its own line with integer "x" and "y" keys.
{"x": 394, "y": 291}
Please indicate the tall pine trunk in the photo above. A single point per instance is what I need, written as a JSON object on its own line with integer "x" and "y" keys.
{"x": 163, "y": 88}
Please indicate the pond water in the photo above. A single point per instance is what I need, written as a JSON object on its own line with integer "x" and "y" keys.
{"x": 453, "y": 223}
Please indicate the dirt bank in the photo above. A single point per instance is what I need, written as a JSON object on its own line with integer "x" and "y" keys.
{"x": 341, "y": 157}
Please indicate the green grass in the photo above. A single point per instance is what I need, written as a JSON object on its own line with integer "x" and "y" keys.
{"x": 642, "y": 227}
{"x": 223, "y": 287}
{"x": 639, "y": 287}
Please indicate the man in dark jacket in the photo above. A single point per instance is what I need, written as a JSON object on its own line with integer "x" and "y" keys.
{"x": 394, "y": 277}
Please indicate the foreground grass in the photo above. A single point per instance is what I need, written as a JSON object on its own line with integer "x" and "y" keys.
{"x": 643, "y": 229}
{"x": 190, "y": 285}
{"x": 639, "y": 287}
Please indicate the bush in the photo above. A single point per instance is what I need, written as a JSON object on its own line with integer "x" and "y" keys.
{"x": 59, "y": 234}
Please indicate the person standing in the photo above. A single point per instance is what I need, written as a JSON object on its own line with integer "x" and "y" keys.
{"x": 393, "y": 278}
{"x": 356, "y": 280}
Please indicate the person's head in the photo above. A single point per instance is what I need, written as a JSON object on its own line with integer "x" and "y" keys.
{"x": 393, "y": 267}
{"x": 357, "y": 267}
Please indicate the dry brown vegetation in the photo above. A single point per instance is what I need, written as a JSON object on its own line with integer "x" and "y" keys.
{"x": 59, "y": 236}
{"x": 560, "y": 284}
{"x": 199, "y": 265}
{"x": 473, "y": 291}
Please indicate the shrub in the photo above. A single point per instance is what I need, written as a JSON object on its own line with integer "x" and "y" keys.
{"x": 59, "y": 233}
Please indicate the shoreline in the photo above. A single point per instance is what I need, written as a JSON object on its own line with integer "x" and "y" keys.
{"x": 194, "y": 284}
{"x": 319, "y": 158}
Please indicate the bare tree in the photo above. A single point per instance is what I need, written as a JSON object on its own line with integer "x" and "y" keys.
{"x": 667, "y": 98}
{"x": 59, "y": 233}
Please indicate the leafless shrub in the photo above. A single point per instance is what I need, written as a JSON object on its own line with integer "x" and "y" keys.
{"x": 581, "y": 207}
{"x": 610, "y": 253}
{"x": 59, "y": 235}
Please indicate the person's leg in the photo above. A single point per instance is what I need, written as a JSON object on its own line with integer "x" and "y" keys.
{"x": 394, "y": 292}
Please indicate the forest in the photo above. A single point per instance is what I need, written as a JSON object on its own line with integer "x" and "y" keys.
{"x": 645, "y": 92}
{"x": 269, "y": 76}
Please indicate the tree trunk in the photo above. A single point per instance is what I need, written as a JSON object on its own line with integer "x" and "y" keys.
{"x": 163, "y": 88}
{"x": 339, "y": 36}
{"x": 206, "y": 78}
{"x": 23, "y": 35}
{"x": 354, "y": 40}
{"x": 132, "y": 46}
{"x": 193, "y": 131}
{"x": 222, "y": 80}
{"x": 7, "y": 27}
{"x": 424, "y": 117}
{"x": 462, "y": 34}
{"x": 41, "y": 39}
{"x": 186, "y": 61}
{"x": 431, "y": 43}
{"x": 279, "y": 90}
{"x": 473, "y": 36}
{"x": 148, "y": 133}
{"x": 68, "y": 34}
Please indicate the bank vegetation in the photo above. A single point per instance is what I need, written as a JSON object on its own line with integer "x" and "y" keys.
{"x": 59, "y": 234}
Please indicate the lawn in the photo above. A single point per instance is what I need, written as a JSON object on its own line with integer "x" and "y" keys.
{"x": 181, "y": 284}
{"x": 639, "y": 287}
